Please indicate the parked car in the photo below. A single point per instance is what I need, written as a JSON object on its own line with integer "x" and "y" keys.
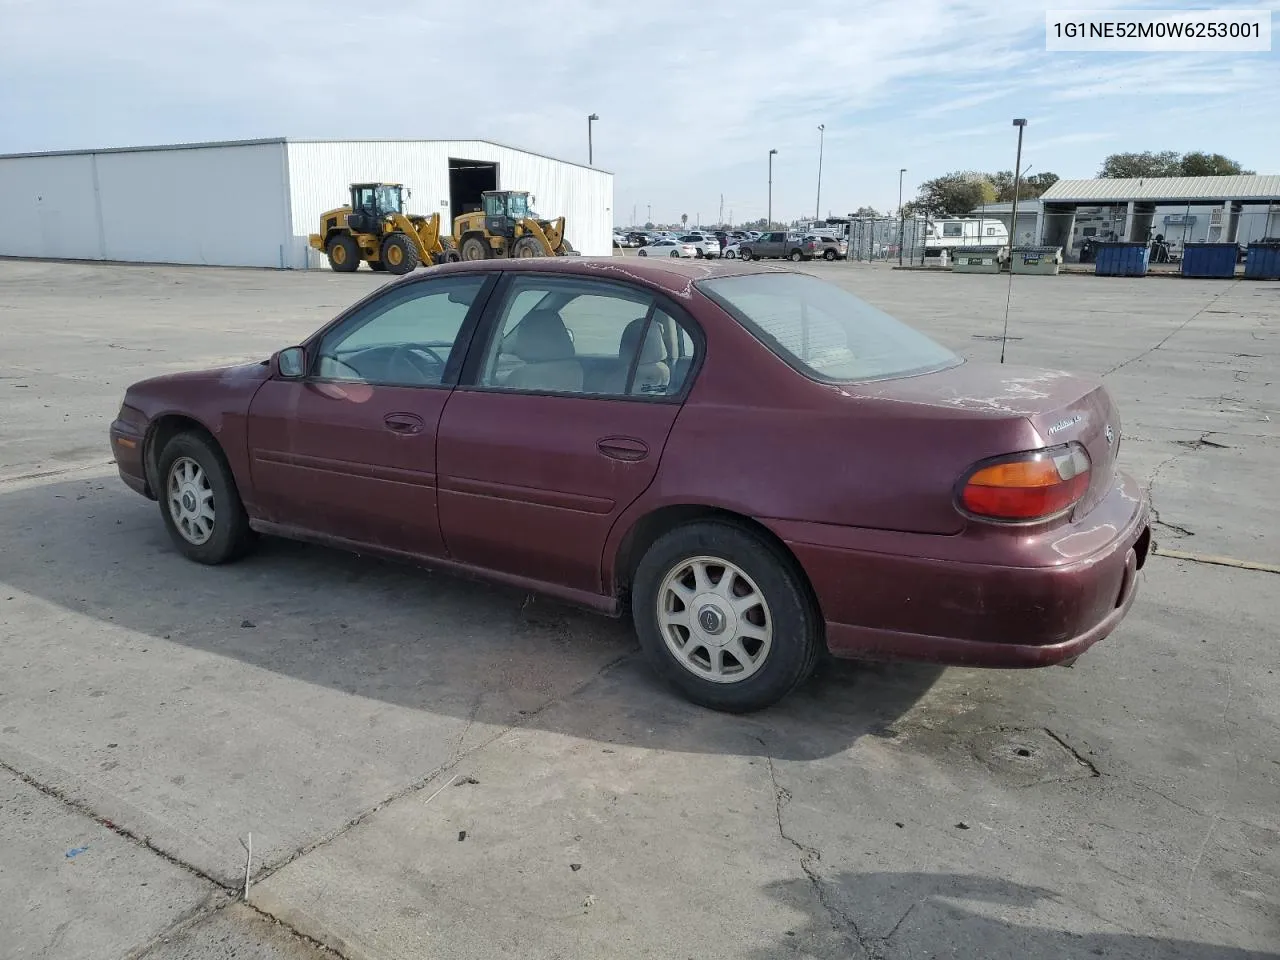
{"x": 586, "y": 435}
{"x": 827, "y": 247}
{"x": 637, "y": 238}
{"x": 776, "y": 245}
{"x": 669, "y": 248}
{"x": 732, "y": 252}
{"x": 620, "y": 241}
{"x": 704, "y": 245}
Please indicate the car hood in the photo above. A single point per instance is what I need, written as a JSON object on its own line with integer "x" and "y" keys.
{"x": 237, "y": 373}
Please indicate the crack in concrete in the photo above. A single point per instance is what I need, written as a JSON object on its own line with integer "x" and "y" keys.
{"x": 1083, "y": 761}
{"x": 1178, "y": 329}
{"x": 873, "y": 947}
{"x": 232, "y": 892}
{"x": 840, "y": 921}
{"x": 83, "y": 808}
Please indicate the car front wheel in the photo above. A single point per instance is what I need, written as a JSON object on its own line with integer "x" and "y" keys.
{"x": 200, "y": 503}
{"x": 725, "y": 617}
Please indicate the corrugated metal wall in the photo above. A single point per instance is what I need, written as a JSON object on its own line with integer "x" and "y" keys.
{"x": 223, "y": 205}
{"x": 320, "y": 173}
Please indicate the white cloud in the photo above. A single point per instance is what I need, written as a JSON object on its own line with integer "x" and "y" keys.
{"x": 691, "y": 98}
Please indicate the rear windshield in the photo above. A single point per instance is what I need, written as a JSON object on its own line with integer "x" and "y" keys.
{"x": 825, "y": 332}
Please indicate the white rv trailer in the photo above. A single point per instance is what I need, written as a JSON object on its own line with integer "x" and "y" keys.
{"x": 944, "y": 234}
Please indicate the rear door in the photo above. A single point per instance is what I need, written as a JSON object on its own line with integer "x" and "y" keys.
{"x": 559, "y": 424}
{"x": 349, "y": 450}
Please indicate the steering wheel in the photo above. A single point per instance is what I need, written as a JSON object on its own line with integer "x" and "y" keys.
{"x": 413, "y": 357}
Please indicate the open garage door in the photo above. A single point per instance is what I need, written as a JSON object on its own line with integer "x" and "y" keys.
{"x": 467, "y": 180}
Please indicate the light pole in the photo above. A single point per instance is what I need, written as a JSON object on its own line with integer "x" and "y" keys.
{"x": 769, "y": 222}
{"x": 817, "y": 207}
{"x": 1017, "y": 182}
{"x": 649, "y": 219}
{"x": 590, "y": 152}
{"x": 902, "y": 220}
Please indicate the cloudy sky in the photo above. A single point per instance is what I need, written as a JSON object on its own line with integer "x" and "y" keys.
{"x": 689, "y": 103}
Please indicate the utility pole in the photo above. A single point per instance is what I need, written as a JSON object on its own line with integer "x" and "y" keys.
{"x": 1017, "y": 182}
{"x": 817, "y": 207}
{"x": 769, "y": 221}
{"x": 721, "y": 223}
{"x": 902, "y": 220}
{"x": 590, "y": 153}
{"x": 649, "y": 219}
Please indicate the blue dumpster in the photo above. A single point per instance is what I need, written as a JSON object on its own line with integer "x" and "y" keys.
{"x": 1213, "y": 260}
{"x": 1263, "y": 262}
{"x": 1122, "y": 258}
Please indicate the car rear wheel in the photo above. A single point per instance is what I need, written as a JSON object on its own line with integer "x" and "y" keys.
{"x": 796, "y": 256}
{"x": 724, "y": 617}
{"x": 642, "y": 253}
{"x": 200, "y": 503}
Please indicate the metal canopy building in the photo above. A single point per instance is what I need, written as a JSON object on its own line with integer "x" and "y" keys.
{"x": 252, "y": 203}
{"x": 1227, "y": 198}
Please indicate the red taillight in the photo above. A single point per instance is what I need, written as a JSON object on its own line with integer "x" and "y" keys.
{"x": 1028, "y": 486}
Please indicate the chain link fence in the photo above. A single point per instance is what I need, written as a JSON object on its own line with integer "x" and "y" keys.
{"x": 882, "y": 238}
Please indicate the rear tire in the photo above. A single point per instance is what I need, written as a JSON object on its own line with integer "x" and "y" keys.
{"x": 642, "y": 253}
{"x": 675, "y": 253}
{"x": 763, "y": 611}
{"x": 344, "y": 254}
{"x": 796, "y": 256}
{"x": 475, "y": 248}
{"x": 399, "y": 254}
{"x": 199, "y": 501}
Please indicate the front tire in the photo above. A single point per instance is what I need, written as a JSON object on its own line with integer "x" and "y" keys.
{"x": 199, "y": 501}
{"x": 344, "y": 254}
{"x": 527, "y": 247}
{"x": 642, "y": 253}
{"x": 399, "y": 254}
{"x": 730, "y": 255}
{"x": 746, "y": 255}
{"x": 725, "y": 617}
{"x": 829, "y": 255}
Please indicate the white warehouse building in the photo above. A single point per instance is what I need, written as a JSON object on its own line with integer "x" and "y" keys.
{"x": 253, "y": 203}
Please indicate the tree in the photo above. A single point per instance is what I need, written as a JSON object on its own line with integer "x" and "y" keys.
{"x": 1198, "y": 164}
{"x": 868, "y": 213}
{"x": 1030, "y": 188}
{"x": 684, "y": 219}
{"x": 956, "y": 193}
{"x": 649, "y": 225}
{"x": 1166, "y": 163}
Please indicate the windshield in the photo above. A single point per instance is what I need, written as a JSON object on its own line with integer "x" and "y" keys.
{"x": 388, "y": 198}
{"x": 825, "y": 332}
{"x": 518, "y": 206}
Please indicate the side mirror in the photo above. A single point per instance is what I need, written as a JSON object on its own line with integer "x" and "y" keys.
{"x": 292, "y": 363}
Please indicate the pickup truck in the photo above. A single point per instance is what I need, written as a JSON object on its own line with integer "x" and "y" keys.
{"x": 776, "y": 245}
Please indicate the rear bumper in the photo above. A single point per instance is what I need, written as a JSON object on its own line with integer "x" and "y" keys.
{"x": 882, "y": 605}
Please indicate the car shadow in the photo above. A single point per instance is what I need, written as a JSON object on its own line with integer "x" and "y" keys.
{"x": 409, "y": 637}
{"x": 890, "y": 915}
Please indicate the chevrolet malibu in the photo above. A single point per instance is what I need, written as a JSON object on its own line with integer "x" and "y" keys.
{"x": 753, "y": 463}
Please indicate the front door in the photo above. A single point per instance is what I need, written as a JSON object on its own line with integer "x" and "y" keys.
{"x": 558, "y": 425}
{"x": 349, "y": 451}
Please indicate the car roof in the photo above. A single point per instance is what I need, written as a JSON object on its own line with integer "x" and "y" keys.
{"x": 669, "y": 274}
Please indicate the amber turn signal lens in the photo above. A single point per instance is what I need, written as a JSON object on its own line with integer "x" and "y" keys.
{"x": 1031, "y": 486}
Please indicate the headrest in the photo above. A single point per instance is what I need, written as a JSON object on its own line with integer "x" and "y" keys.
{"x": 541, "y": 337}
{"x": 654, "y": 349}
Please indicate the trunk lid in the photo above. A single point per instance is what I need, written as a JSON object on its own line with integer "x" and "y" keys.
{"x": 1060, "y": 407}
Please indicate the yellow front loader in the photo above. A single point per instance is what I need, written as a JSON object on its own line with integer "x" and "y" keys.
{"x": 374, "y": 229}
{"x": 505, "y": 226}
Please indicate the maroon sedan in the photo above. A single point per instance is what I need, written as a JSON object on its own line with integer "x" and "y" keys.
{"x": 754, "y": 462}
